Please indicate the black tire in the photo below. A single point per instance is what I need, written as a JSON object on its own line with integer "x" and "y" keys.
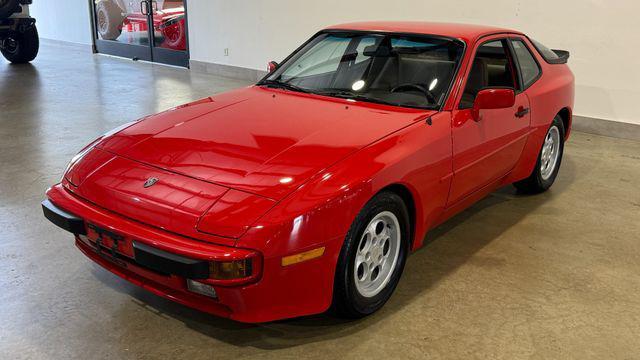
{"x": 7, "y": 8}
{"x": 348, "y": 302}
{"x": 536, "y": 183}
{"x": 109, "y": 20}
{"x": 20, "y": 48}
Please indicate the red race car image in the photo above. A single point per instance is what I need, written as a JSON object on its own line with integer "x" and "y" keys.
{"x": 115, "y": 16}
{"x": 308, "y": 191}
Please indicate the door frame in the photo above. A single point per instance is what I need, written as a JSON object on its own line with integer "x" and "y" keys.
{"x": 458, "y": 122}
{"x": 149, "y": 52}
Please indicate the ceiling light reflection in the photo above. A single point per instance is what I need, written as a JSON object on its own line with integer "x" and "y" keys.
{"x": 358, "y": 85}
{"x": 433, "y": 84}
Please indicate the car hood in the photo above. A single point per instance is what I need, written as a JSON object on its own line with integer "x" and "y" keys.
{"x": 257, "y": 140}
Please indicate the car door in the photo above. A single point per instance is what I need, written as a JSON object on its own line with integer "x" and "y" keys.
{"x": 487, "y": 148}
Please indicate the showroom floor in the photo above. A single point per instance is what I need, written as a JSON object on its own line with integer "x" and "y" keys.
{"x": 548, "y": 276}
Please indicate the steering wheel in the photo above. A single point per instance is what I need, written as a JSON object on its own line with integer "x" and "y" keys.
{"x": 408, "y": 87}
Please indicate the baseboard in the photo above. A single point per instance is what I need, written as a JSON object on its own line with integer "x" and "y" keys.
{"x": 611, "y": 128}
{"x": 67, "y": 44}
{"x": 230, "y": 71}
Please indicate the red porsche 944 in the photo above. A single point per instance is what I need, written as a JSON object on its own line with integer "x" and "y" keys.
{"x": 308, "y": 190}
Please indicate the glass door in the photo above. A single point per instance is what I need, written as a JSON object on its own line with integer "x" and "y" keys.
{"x": 169, "y": 32}
{"x": 142, "y": 30}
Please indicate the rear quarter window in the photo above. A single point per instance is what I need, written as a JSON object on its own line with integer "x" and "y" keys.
{"x": 548, "y": 54}
{"x": 529, "y": 68}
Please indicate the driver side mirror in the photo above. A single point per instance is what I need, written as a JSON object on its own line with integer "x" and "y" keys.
{"x": 493, "y": 99}
{"x": 272, "y": 66}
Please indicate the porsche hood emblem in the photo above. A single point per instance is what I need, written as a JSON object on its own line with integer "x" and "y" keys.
{"x": 150, "y": 182}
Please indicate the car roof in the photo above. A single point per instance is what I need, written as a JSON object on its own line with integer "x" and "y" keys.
{"x": 466, "y": 32}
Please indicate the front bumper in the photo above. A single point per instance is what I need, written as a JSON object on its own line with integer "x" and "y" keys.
{"x": 161, "y": 262}
{"x": 145, "y": 256}
{"x": 63, "y": 219}
{"x": 168, "y": 286}
{"x": 138, "y": 253}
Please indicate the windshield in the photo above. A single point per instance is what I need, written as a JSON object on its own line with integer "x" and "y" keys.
{"x": 401, "y": 70}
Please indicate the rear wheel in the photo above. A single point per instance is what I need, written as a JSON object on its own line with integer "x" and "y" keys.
{"x": 109, "y": 20}
{"x": 8, "y": 7}
{"x": 23, "y": 47}
{"x": 549, "y": 160}
{"x": 372, "y": 258}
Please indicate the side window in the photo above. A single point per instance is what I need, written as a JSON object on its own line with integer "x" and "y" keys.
{"x": 528, "y": 65}
{"x": 491, "y": 68}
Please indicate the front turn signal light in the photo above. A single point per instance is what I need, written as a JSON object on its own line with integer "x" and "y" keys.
{"x": 230, "y": 270}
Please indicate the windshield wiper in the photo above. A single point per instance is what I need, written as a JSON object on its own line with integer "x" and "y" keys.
{"x": 282, "y": 85}
{"x": 354, "y": 96}
{"x": 346, "y": 94}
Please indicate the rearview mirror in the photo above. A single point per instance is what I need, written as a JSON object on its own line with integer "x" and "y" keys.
{"x": 377, "y": 51}
{"x": 493, "y": 99}
{"x": 272, "y": 66}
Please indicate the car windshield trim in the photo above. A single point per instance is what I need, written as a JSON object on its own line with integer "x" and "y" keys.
{"x": 443, "y": 98}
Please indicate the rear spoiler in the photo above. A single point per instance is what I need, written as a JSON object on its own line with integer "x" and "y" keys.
{"x": 563, "y": 57}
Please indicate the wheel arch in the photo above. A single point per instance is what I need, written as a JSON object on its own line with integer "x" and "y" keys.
{"x": 408, "y": 198}
{"x": 567, "y": 119}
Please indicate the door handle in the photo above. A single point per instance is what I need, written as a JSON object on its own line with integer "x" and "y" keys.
{"x": 144, "y": 7}
{"x": 522, "y": 112}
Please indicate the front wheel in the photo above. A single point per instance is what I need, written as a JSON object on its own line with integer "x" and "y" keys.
{"x": 549, "y": 160}
{"x": 20, "y": 48}
{"x": 372, "y": 257}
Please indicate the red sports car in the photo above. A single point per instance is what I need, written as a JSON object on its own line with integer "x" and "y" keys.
{"x": 310, "y": 189}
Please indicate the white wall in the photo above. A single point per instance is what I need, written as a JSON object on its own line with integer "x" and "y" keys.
{"x": 65, "y": 20}
{"x": 602, "y": 35}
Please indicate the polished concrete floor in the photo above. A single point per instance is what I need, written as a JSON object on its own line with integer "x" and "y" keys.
{"x": 550, "y": 276}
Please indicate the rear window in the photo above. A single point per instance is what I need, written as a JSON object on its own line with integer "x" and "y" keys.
{"x": 548, "y": 54}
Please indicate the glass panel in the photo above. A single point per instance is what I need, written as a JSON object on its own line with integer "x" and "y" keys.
{"x": 323, "y": 58}
{"x": 122, "y": 21}
{"x": 546, "y": 53}
{"x": 411, "y": 71}
{"x": 528, "y": 65}
{"x": 491, "y": 68}
{"x": 170, "y": 31}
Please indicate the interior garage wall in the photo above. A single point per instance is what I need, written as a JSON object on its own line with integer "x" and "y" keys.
{"x": 63, "y": 20}
{"x": 601, "y": 35}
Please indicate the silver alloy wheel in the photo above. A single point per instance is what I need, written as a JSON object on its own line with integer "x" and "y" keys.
{"x": 377, "y": 254}
{"x": 550, "y": 153}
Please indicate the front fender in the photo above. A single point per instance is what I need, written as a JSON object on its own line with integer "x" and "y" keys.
{"x": 417, "y": 157}
{"x": 320, "y": 212}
